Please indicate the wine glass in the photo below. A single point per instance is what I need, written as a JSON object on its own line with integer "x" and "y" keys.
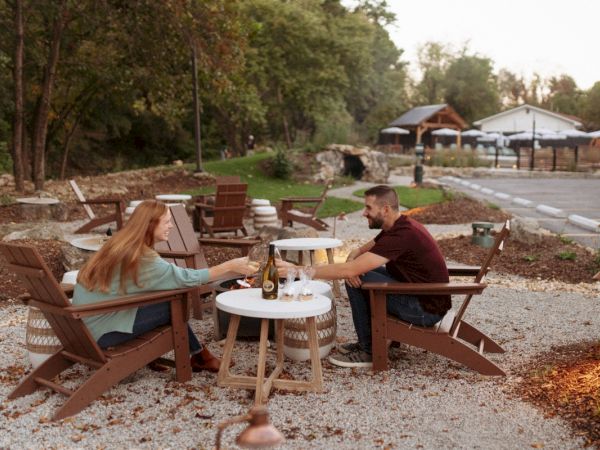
{"x": 257, "y": 257}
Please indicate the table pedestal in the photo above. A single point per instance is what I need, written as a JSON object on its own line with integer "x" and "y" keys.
{"x": 262, "y": 383}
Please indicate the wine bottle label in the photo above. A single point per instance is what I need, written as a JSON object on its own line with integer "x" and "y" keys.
{"x": 268, "y": 286}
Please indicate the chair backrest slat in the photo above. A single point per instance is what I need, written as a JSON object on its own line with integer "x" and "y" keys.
{"x": 230, "y": 205}
{"x": 182, "y": 238}
{"x": 72, "y": 333}
{"x": 485, "y": 267}
{"x": 81, "y": 198}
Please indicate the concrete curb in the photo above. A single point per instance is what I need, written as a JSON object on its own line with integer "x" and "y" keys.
{"x": 550, "y": 211}
{"x": 502, "y": 195}
{"x": 522, "y": 202}
{"x": 584, "y": 222}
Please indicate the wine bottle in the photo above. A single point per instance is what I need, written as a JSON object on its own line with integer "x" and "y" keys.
{"x": 270, "y": 277}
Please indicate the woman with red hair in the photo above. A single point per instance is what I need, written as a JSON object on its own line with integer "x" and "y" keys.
{"x": 127, "y": 264}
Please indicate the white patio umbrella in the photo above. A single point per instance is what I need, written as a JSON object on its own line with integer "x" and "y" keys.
{"x": 543, "y": 131}
{"x": 394, "y": 130}
{"x": 524, "y": 136}
{"x": 445, "y": 132}
{"x": 574, "y": 133}
{"x": 594, "y": 134}
{"x": 473, "y": 133}
{"x": 490, "y": 137}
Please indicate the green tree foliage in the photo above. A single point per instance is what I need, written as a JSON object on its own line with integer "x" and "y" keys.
{"x": 591, "y": 107}
{"x": 564, "y": 97}
{"x": 471, "y": 87}
{"x": 432, "y": 61}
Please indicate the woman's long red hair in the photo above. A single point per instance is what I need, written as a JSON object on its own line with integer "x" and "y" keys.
{"x": 124, "y": 250}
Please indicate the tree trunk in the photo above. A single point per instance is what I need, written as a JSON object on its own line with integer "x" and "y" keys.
{"x": 286, "y": 130}
{"x": 40, "y": 124}
{"x": 70, "y": 133}
{"x": 17, "y": 137}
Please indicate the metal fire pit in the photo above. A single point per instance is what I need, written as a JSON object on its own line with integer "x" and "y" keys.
{"x": 249, "y": 326}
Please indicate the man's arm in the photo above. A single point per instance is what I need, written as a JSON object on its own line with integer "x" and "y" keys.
{"x": 361, "y": 264}
{"x": 360, "y": 250}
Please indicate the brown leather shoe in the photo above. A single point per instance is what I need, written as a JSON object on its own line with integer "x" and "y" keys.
{"x": 158, "y": 366}
{"x": 205, "y": 360}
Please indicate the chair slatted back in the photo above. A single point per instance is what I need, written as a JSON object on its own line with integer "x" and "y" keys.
{"x": 321, "y": 200}
{"x": 81, "y": 198}
{"x": 496, "y": 249}
{"x": 230, "y": 206}
{"x": 182, "y": 238}
{"x": 31, "y": 269}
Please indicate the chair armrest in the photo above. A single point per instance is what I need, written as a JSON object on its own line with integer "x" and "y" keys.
{"x": 101, "y": 201}
{"x": 427, "y": 288}
{"x": 301, "y": 199}
{"x": 203, "y": 205}
{"x": 222, "y": 242}
{"x": 176, "y": 254}
{"x": 460, "y": 270}
{"x": 127, "y": 302}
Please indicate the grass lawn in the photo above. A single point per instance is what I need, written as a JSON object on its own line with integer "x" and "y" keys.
{"x": 261, "y": 185}
{"x": 415, "y": 197}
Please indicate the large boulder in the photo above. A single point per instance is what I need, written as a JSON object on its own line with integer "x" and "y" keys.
{"x": 368, "y": 164}
{"x": 46, "y": 230}
{"x": 527, "y": 230}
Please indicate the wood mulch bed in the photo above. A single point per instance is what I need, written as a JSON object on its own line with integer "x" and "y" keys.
{"x": 566, "y": 382}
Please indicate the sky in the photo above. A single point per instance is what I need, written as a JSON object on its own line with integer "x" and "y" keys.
{"x": 550, "y": 37}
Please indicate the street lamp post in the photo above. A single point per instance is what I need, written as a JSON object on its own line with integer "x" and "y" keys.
{"x": 419, "y": 152}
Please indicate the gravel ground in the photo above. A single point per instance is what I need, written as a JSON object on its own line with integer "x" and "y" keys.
{"x": 424, "y": 401}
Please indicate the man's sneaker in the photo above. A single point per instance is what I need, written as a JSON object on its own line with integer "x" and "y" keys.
{"x": 357, "y": 358}
{"x": 348, "y": 347}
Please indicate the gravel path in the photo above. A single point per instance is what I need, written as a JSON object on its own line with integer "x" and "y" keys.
{"x": 424, "y": 401}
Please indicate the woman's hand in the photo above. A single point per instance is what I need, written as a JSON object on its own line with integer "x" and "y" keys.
{"x": 241, "y": 265}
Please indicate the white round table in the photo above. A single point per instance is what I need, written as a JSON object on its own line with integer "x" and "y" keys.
{"x": 38, "y": 201}
{"x": 92, "y": 244}
{"x": 249, "y": 303}
{"x": 310, "y": 244}
{"x": 173, "y": 197}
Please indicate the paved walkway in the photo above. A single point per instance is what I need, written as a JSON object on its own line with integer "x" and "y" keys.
{"x": 569, "y": 207}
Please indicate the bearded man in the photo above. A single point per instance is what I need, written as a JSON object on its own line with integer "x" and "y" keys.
{"x": 403, "y": 251}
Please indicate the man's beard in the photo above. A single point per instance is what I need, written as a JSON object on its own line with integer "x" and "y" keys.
{"x": 375, "y": 223}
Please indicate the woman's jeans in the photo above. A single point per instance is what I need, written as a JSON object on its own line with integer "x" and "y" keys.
{"x": 405, "y": 307}
{"x": 147, "y": 319}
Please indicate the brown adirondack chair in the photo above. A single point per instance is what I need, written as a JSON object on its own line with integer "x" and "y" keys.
{"x": 227, "y": 212}
{"x": 78, "y": 346}
{"x": 452, "y": 337}
{"x": 116, "y": 216}
{"x": 184, "y": 250}
{"x": 307, "y": 215}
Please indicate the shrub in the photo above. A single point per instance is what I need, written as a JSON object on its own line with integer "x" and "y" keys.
{"x": 282, "y": 167}
{"x": 567, "y": 256}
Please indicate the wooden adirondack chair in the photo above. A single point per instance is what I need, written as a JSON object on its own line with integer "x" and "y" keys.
{"x": 227, "y": 212}
{"x": 184, "y": 250}
{"x": 308, "y": 215}
{"x": 94, "y": 222}
{"x": 452, "y": 337}
{"x": 78, "y": 346}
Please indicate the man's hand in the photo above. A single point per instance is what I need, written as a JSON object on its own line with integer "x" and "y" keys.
{"x": 355, "y": 282}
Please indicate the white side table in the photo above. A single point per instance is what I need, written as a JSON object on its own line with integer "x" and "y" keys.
{"x": 249, "y": 303}
{"x": 177, "y": 198}
{"x": 310, "y": 244}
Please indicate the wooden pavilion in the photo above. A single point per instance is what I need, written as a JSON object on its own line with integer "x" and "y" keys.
{"x": 422, "y": 120}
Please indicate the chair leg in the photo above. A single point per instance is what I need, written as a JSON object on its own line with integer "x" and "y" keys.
{"x": 379, "y": 346}
{"x": 473, "y": 336}
{"x": 461, "y": 353}
{"x": 95, "y": 223}
{"x": 48, "y": 370}
{"x": 99, "y": 382}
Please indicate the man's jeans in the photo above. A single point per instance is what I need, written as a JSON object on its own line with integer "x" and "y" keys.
{"x": 405, "y": 307}
{"x": 148, "y": 318}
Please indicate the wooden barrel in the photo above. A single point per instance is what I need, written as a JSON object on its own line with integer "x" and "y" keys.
{"x": 295, "y": 335}
{"x": 257, "y": 203}
{"x": 40, "y": 339}
{"x": 265, "y": 216}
